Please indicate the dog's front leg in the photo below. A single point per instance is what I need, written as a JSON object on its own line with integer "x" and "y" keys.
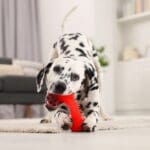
{"x": 91, "y": 111}
{"x": 60, "y": 117}
{"x": 103, "y": 114}
{"x": 63, "y": 119}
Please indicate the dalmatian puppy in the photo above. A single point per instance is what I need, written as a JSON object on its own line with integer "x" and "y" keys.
{"x": 73, "y": 68}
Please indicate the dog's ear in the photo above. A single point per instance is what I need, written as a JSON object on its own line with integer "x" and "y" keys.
{"x": 41, "y": 76}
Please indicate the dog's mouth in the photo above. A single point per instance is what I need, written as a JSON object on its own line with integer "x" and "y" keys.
{"x": 54, "y": 100}
{"x": 51, "y": 102}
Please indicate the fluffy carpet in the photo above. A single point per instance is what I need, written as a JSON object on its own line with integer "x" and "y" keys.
{"x": 34, "y": 126}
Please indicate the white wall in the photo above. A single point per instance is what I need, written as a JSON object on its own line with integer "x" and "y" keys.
{"x": 105, "y": 35}
{"x": 53, "y": 12}
{"x": 96, "y": 18}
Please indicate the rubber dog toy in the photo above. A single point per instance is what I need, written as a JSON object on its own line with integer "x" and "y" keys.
{"x": 77, "y": 119}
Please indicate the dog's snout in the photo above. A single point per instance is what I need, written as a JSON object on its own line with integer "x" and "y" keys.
{"x": 60, "y": 87}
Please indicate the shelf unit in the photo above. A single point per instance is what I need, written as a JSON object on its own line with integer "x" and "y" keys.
{"x": 134, "y": 17}
{"x": 144, "y": 62}
{"x": 132, "y": 77}
{"x": 133, "y": 84}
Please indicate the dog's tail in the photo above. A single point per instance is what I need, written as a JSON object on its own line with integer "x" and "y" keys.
{"x": 66, "y": 17}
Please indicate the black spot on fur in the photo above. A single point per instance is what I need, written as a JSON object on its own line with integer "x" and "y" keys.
{"x": 90, "y": 112}
{"x": 74, "y": 77}
{"x": 78, "y": 97}
{"x": 89, "y": 72}
{"x": 49, "y": 65}
{"x": 81, "y": 107}
{"x": 81, "y": 44}
{"x": 96, "y": 80}
{"x": 93, "y": 128}
{"x": 65, "y": 127}
{"x": 61, "y": 40}
{"x": 74, "y": 37}
{"x": 95, "y": 54}
{"x": 54, "y": 46}
{"x": 88, "y": 105}
{"x": 92, "y": 85}
{"x": 94, "y": 88}
{"x": 44, "y": 121}
{"x": 85, "y": 127}
{"x": 70, "y": 56}
{"x": 63, "y": 45}
{"x": 79, "y": 91}
{"x": 82, "y": 53}
{"x": 95, "y": 103}
{"x": 70, "y": 34}
{"x": 64, "y": 107}
{"x": 93, "y": 48}
{"x": 58, "y": 69}
{"x": 83, "y": 82}
{"x": 67, "y": 52}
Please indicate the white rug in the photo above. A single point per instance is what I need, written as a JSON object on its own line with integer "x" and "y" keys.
{"x": 34, "y": 126}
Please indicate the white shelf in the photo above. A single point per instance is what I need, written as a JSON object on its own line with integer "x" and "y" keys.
{"x": 140, "y": 60}
{"x": 134, "y": 17}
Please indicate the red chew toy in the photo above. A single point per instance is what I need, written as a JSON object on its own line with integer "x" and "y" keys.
{"x": 71, "y": 102}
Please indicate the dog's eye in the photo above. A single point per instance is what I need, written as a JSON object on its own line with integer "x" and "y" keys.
{"x": 58, "y": 69}
{"x": 74, "y": 77}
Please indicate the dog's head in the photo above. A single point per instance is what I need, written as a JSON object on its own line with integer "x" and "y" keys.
{"x": 62, "y": 76}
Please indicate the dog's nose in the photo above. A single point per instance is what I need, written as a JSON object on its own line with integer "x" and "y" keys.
{"x": 60, "y": 87}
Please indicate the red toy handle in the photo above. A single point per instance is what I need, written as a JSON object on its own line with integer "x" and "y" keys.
{"x": 73, "y": 105}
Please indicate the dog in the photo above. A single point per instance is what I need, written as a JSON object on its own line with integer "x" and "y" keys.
{"x": 74, "y": 68}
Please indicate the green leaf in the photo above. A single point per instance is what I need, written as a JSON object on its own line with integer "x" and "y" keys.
{"x": 104, "y": 61}
{"x": 101, "y": 49}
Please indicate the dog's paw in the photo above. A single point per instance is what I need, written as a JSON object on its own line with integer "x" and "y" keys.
{"x": 87, "y": 128}
{"x": 66, "y": 126}
{"x": 47, "y": 118}
{"x": 63, "y": 121}
{"x": 89, "y": 124}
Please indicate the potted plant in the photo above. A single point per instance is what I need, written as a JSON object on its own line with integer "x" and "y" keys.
{"x": 103, "y": 58}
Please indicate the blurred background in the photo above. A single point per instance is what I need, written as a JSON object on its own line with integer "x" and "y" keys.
{"x": 119, "y": 29}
